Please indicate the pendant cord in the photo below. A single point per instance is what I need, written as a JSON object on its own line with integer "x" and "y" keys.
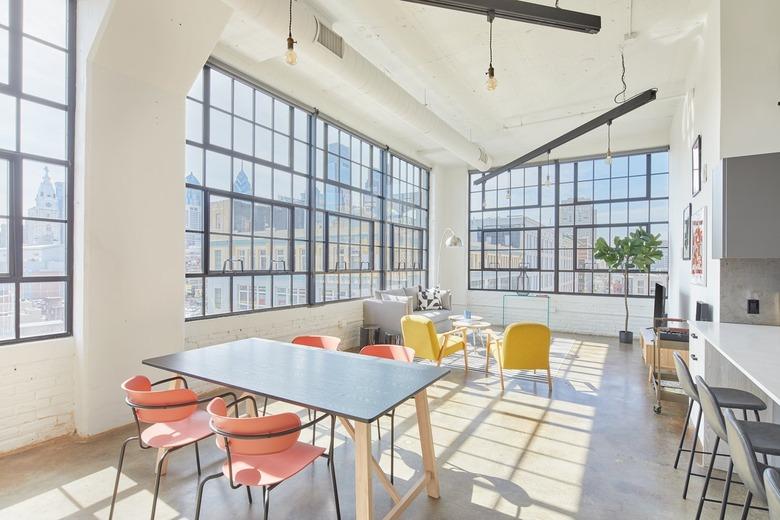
{"x": 490, "y": 43}
{"x": 622, "y": 79}
{"x": 289, "y": 31}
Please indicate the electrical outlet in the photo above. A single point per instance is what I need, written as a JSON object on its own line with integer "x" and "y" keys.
{"x": 752, "y": 307}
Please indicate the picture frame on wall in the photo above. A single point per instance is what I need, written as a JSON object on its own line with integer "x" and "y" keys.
{"x": 686, "y": 242}
{"x": 699, "y": 247}
{"x": 696, "y": 166}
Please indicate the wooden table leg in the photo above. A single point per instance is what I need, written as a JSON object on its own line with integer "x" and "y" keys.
{"x": 426, "y": 443}
{"x": 487, "y": 353}
{"x": 364, "y": 495}
{"x": 173, "y": 385}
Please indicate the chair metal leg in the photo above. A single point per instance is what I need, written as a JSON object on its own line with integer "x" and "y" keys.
{"x": 758, "y": 419}
{"x": 549, "y": 382}
{"x": 746, "y": 508}
{"x": 693, "y": 453}
{"x": 249, "y": 494}
{"x": 726, "y": 488}
{"x": 200, "y": 492}
{"x": 685, "y": 430}
{"x": 392, "y": 446}
{"x": 157, "y": 476}
{"x": 197, "y": 458}
{"x": 118, "y": 475}
{"x": 378, "y": 430}
{"x": 707, "y": 478}
{"x": 265, "y": 406}
{"x": 266, "y": 499}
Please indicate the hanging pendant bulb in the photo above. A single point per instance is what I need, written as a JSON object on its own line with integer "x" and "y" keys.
{"x": 290, "y": 57}
{"x": 608, "y": 158}
{"x": 547, "y": 181}
{"x": 491, "y": 82}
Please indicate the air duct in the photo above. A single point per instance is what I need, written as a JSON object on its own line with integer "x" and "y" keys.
{"x": 316, "y": 41}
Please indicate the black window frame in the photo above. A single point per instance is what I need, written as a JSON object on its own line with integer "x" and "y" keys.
{"x": 16, "y": 158}
{"x": 559, "y": 269}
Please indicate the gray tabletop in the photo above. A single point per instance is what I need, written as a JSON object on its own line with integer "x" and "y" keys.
{"x": 349, "y": 385}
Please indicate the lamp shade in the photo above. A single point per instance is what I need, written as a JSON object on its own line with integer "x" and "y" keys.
{"x": 454, "y": 241}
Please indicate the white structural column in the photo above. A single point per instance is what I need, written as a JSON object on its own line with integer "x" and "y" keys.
{"x": 137, "y": 60}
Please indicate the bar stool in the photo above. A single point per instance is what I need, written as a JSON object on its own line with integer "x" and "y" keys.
{"x": 772, "y": 486}
{"x": 764, "y": 438}
{"x": 743, "y": 456}
{"x": 727, "y": 397}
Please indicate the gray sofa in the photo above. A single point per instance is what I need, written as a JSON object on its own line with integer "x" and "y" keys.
{"x": 386, "y": 309}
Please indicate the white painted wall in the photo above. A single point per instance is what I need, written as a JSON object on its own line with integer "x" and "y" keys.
{"x": 699, "y": 114}
{"x": 133, "y": 76}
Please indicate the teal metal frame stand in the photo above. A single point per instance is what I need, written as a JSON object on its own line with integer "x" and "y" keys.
{"x": 516, "y": 295}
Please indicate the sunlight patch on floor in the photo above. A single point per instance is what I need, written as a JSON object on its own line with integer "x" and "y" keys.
{"x": 128, "y": 507}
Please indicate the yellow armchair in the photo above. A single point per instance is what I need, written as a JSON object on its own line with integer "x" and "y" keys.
{"x": 420, "y": 335}
{"x": 524, "y": 346}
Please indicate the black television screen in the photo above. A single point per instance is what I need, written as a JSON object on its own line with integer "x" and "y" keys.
{"x": 660, "y": 301}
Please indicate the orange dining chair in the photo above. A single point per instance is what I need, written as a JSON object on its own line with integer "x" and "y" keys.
{"x": 263, "y": 451}
{"x": 324, "y": 342}
{"x": 396, "y": 353}
{"x": 174, "y": 422}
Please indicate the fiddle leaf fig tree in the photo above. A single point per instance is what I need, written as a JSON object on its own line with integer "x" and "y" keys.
{"x": 638, "y": 251}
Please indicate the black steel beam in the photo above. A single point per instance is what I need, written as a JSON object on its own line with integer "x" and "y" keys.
{"x": 519, "y": 11}
{"x": 607, "y": 117}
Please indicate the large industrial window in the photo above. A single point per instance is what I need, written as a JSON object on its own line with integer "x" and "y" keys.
{"x": 407, "y": 232}
{"x": 247, "y": 199}
{"x": 284, "y": 207}
{"x": 533, "y": 229}
{"x": 37, "y": 81}
{"x": 348, "y": 221}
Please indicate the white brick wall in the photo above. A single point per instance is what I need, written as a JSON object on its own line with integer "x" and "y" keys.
{"x": 36, "y": 392}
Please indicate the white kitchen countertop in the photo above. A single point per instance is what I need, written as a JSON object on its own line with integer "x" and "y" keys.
{"x": 753, "y": 349}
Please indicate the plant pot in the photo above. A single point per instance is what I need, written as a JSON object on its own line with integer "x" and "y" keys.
{"x": 626, "y": 336}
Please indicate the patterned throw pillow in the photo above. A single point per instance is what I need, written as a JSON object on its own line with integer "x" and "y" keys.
{"x": 430, "y": 299}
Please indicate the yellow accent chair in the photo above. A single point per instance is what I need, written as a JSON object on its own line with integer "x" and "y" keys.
{"x": 420, "y": 334}
{"x": 524, "y": 346}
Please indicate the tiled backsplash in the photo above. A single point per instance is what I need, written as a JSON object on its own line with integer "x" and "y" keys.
{"x": 743, "y": 279}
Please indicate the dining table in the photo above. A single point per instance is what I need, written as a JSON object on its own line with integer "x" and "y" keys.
{"x": 355, "y": 388}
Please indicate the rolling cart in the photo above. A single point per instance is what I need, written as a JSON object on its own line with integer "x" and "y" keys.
{"x": 667, "y": 341}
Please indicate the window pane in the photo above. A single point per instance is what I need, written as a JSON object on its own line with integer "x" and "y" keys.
{"x": 263, "y": 143}
{"x": 45, "y": 248}
{"x": 262, "y": 292}
{"x": 193, "y": 297}
{"x": 44, "y": 190}
{"x": 242, "y": 293}
{"x": 42, "y": 308}
{"x": 263, "y": 181}
{"x": 4, "y": 237}
{"x": 281, "y": 149}
{"x": 219, "y": 129}
{"x": 193, "y": 170}
{"x": 44, "y": 130}
{"x": 217, "y": 171}
{"x": 281, "y": 117}
{"x": 282, "y": 290}
{"x": 193, "y": 252}
{"x": 242, "y": 176}
{"x": 194, "y": 130}
{"x": 47, "y": 20}
{"x": 242, "y": 217}
{"x": 221, "y": 91}
{"x": 45, "y": 71}
{"x": 242, "y": 136}
{"x": 217, "y": 295}
{"x": 242, "y": 100}
{"x": 4, "y": 56}
{"x": 219, "y": 214}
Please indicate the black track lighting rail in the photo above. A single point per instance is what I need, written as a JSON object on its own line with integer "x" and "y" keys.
{"x": 607, "y": 117}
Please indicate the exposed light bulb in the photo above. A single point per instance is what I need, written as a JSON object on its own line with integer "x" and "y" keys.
{"x": 290, "y": 56}
{"x": 608, "y": 158}
{"x": 491, "y": 82}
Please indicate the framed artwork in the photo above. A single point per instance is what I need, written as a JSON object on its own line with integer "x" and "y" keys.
{"x": 699, "y": 247}
{"x": 696, "y": 166}
{"x": 686, "y": 243}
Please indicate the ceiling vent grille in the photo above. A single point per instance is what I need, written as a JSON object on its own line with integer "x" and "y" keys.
{"x": 330, "y": 40}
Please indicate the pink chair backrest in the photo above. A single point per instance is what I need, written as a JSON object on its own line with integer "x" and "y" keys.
{"x": 324, "y": 342}
{"x": 139, "y": 391}
{"x": 253, "y": 426}
{"x": 396, "y": 352}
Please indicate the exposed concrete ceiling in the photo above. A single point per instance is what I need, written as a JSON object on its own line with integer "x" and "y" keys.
{"x": 549, "y": 80}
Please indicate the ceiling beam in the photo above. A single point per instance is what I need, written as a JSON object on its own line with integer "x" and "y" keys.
{"x": 519, "y": 11}
{"x": 606, "y": 118}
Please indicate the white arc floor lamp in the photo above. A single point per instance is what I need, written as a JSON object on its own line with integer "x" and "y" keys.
{"x": 448, "y": 239}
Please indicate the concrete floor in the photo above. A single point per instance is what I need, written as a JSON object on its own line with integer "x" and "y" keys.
{"x": 594, "y": 450}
